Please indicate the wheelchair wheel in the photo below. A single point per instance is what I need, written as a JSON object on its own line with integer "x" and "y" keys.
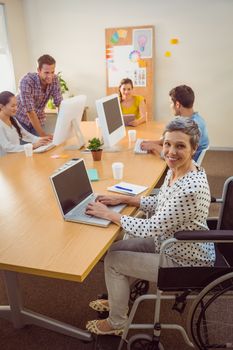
{"x": 143, "y": 342}
{"x": 137, "y": 288}
{"x": 210, "y": 321}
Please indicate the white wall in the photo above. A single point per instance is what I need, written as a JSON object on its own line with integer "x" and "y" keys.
{"x": 17, "y": 36}
{"x": 73, "y": 32}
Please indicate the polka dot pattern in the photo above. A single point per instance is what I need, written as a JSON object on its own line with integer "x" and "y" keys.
{"x": 180, "y": 207}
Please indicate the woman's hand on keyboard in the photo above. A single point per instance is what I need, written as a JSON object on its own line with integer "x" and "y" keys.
{"x": 42, "y": 141}
{"x": 111, "y": 200}
{"x": 119, "y": 199}
{"x": 100, "y": 210}
{"x": 151, "y": 146}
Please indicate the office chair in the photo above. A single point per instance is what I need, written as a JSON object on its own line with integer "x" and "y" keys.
{"x": 210, "y": 289}
{"x": 202, "y": 156}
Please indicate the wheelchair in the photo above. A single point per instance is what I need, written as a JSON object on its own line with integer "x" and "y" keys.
{"x": 209, "y": 290}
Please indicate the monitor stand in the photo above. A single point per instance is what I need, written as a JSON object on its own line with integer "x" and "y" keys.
{"x": 79, "y": 137}
{"x": 112, "y": 149}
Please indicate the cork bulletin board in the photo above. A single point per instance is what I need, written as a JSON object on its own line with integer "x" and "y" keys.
{"x": 130, "y": 54}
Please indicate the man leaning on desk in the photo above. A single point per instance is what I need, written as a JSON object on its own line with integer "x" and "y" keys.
{"x": 35, "y": 90}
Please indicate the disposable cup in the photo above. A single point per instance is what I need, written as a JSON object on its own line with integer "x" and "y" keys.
{"x": 132, "y": 135}
{"x": 28, "y": 149}
{"x": 117, "y": 170}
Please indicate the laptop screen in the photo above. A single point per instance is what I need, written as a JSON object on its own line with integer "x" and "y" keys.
{"x": 72, "y": 186}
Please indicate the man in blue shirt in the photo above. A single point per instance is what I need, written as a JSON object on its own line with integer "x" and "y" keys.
{"x": 182, "y": 99}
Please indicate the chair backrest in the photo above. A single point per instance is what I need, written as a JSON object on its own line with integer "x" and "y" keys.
{"x": 225, "y": 221}
{"x": 201, "y": 156}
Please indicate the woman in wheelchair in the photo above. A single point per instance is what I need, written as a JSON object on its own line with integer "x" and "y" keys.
{"x": 182, "y": 204}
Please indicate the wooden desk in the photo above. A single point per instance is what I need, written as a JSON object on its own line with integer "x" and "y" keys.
{"x": 34, "y": 237}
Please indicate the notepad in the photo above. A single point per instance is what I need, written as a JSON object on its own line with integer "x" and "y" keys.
{"x": 127, "y": 188}
{"x": 93, "y": 174}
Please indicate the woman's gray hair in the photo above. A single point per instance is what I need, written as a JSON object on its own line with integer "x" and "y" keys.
{"x": 187, "y": 126}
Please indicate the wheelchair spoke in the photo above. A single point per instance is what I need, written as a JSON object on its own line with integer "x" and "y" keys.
{"x": 212, "y": 319}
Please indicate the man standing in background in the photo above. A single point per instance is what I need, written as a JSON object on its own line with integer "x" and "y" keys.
{"x": 35, "y": 89}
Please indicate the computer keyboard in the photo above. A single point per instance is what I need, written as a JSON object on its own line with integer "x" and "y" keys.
{"x": 137, "y": 147}
{"x": 44, "y": 148}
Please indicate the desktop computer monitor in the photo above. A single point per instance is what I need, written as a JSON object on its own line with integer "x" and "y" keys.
{"x": 110, "y": 120}
{"x": 68, "y": 121}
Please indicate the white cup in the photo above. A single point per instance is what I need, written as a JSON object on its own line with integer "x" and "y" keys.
{"x": 117, "y": 170}
{"x": 132, "y": 135}
{"x": 28, "y": 149}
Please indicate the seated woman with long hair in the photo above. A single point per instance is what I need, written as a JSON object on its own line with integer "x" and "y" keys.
{"x": 11, "y": 132}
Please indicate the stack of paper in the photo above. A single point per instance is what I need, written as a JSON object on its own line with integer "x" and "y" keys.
{"x": 127, "y": 188}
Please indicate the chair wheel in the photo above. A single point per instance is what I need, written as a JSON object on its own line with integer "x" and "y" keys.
{"x": 137, "y": 288}
{"x": 143, "y": 342}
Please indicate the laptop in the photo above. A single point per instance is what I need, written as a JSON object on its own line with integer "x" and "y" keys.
{"x": 73, "y": 192}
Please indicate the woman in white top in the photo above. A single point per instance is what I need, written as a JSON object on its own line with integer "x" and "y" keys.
{"x": 11, "y": 132}
{"x": 182, "y": 204}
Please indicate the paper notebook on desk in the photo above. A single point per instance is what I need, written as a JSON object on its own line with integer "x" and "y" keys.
{"x": 127, "y": 188}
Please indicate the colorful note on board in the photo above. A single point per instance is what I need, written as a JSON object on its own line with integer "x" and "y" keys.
{"x": 174, "y": 41}
{"x": 167, "y": 54}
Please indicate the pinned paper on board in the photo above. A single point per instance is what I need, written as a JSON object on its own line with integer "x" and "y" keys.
{"x": 119, "y": 34}
{"x": 121, "y": 66}
{"x": 142, "y": 42}
{"x": 122, "y": 33}
{"x": 134, "y": 56}
{"x": 109, "y": 53}
{"x": 115, "y": 38}
{"x": 139, "y": 77}
{"x": 142, "y": 63}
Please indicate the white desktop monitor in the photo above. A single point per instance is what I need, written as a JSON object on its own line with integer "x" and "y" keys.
{"x": 110, "y": 120}
{"x": 68, "y": 121}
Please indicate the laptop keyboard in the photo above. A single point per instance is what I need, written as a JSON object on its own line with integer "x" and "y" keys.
{"x": 44, "y": 148}
{"x": 137, "y": 147}
{"x": 79, "y": 212}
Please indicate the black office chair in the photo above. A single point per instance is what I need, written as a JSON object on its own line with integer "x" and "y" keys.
{"x": 210, "y": 319}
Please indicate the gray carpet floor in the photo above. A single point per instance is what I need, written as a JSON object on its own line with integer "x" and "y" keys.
{"x": 68, "y": 301}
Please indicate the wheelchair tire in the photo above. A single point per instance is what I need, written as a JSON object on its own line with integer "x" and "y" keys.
{"x": 143, "y": 342}
{"x": 210, "y": 320}
{"x": 137, "y": 288}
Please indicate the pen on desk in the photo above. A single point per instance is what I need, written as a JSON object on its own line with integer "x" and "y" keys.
{"x": 124, "y": 188}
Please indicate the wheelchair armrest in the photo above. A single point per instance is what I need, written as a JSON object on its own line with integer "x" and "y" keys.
{"x": 212, "y": 235}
